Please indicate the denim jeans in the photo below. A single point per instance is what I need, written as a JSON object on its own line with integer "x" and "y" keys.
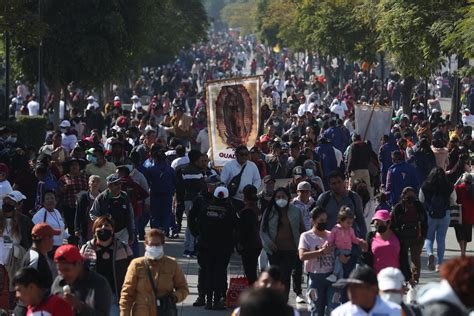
{"x": 338, "y": 265}
{"x": 188, "y": 237}
{"x": 325, "y": 301}
{"x": 437, "y": 228}
{"x": 114, "y": 307}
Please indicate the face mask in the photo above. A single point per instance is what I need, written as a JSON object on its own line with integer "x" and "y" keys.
{"x": 281, "y": 203}
{"x": 130, "y": 167}
{"x": 321, "y": 226}
{"x": 104, "y": 234}
{"x": 92, "y": 159}
{"x": 309, "y": 172}
{"x": 154, "y": 252}
{"x": 276, "y": 123}
{"x": 8, "y": 208}
{"x": 11, "y": 139}
{"x": 392, "y": 297}
{"x": 382, "y": 229}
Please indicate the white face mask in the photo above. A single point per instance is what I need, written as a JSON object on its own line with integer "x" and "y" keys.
{"x": 392, "y": 297}
{"x": 281, "y": 203}
{"x": 154, "y": 252}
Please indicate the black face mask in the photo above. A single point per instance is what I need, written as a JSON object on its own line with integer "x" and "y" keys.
{"x": 382, "y": 229}
{"x": 7, "y": 208}
{"x": 321, "y": 226}
{"x": 104, "y": 234}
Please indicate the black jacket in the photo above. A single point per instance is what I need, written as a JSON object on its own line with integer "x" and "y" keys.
{"x": 398, "y": 221}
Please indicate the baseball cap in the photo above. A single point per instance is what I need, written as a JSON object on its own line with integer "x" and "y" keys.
{"x": 268, "y": 178}
{"x": 65, "y": 124}
{"x": 297, "y": 171}
{"x": 90, "y": 98}
{"x": 114, "y": 177}
{"x": 16, "y": 196}
{"x": 360, "y": 275}
{"x": 390, "y": 279}
{"x": 116, "y": 98}
{"x": 221, "y": 193}
{"x": 68, "y": 254}
{"x": 382, "y": 215}
{"x": 135, "y": 97}
{"x": 303, "y": 186}
{"x": 42, "y": 230}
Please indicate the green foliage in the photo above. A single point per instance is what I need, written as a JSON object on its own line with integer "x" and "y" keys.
{"x": 241, "y": 14}
{"x": 31, "y": 130}
{"x": 458, "y": 29}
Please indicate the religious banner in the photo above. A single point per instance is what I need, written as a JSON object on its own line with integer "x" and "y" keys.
{"x": 372, "y": 122}
{"x": 233, "y": 110}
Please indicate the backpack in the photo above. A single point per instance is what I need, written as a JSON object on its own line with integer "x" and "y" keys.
{"x": 436, "y": 205}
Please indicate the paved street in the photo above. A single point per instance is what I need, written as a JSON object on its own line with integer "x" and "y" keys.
{"x": 174, "y": 248}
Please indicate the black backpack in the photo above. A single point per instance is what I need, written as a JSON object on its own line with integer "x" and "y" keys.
{"x": 436, "y": 204}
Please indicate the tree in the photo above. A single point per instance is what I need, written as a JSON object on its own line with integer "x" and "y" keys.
{"x": 414, "y": 50}
{"x": 241, "y": 14}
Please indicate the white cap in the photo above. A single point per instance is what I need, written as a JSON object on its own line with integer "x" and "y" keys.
{"x": 303, "y": 186}
{"x": 221, "y": 193}
{"x": 390, "y": 279}
{"x": 434, "y": 111}
{"x": 90, "y": 98}
{"x": 16, "y": 196}
{"x": 135, "y": 97}
{"x": 65, "y": 124}
{"x": 116, "y": 98}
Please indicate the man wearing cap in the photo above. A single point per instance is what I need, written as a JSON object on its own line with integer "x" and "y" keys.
{"x": 392, "y": 288}
{"x": 99, "y": 166}
{"x": 115, "y": 202}
{"x": 37, "y": 257}
{"x": 215, "y": 225}
{"x": 69, "y": 139}
{"x": 88, "y": 292}
{"x": 249, "y": 175}
{"x": 136, "y": 104}
{"x": 362, "y": 289}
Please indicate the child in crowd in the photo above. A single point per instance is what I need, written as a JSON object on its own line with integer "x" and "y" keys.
{"x": 342, "y": 237}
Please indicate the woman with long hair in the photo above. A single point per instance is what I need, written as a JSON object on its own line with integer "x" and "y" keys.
{"x": 462, "y": 165}
{"x": 282, "y": 225}
{"x": 437, "y": 194}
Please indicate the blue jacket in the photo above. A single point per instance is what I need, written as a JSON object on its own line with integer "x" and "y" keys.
{"x": 328, "y": 159}
{"x": 162, "y": 179}
{"x": 337, "y": 137}
{"x": 400, "y": 176}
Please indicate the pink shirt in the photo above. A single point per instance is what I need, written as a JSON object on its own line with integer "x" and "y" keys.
{"x": 386, "y": 252}
{"x": 343, "y": 238}
{"x": 322, "y": 264}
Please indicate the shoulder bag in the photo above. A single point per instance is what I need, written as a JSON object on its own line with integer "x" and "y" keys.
{"x": 165, "y": 306}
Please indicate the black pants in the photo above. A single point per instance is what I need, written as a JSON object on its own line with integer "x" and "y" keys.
{"x": 69, "y": 215}
{"x": 214, "y": 264}
{"x": 297, "y": 276}
{"x": 286, "y": 261}
{"x": 250, "y": 262}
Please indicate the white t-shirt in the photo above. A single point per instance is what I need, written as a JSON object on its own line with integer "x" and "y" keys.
{"x": 381, "y": 308}
{"x": 321, "y": 264}
{"x": 250, "y": 175}
{"x": 203, "y": 139}
{"x": 53, "y": 219}
{"x": 33, "y": 108}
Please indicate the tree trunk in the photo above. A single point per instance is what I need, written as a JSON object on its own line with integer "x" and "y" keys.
{"x": 341, "y": 66}
{"x": 407, "y": 88}
{"x": 456, "y": 98}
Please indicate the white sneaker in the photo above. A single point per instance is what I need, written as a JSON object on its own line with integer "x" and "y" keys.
{"x": 300, "y": 299}
{"x": 437, "y": 268}
{"x": 332, "y": 278}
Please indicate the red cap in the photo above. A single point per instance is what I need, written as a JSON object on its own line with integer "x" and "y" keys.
{"x": 121, "y": 121}
{"x": 68, "y": 254}
{"x": 42, "y": 230}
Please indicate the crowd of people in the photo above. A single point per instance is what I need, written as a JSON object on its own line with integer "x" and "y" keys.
{"x": 311, "y": 197}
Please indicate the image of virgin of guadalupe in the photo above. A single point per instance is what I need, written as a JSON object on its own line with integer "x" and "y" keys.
{"x": 234, "y": 115}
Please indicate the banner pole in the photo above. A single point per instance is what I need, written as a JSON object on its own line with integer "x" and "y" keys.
{"x": 368, "y": 124}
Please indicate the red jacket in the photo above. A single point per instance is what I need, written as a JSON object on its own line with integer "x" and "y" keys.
{"x": 136, "y": 194}
{"x": 466, "y": 199}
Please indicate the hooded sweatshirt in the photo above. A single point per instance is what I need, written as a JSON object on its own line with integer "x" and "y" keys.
{"x": 440, "y": 298}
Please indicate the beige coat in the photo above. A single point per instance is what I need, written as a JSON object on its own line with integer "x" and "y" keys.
{"x": 137, "y": 294}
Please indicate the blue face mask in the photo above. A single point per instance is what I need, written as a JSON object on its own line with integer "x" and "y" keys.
{"x": 309, "y": 172}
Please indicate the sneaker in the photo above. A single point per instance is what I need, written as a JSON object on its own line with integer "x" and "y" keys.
{"x": 431, "y": 262}
{"x": 186, "y": 254}
{"x": 437, "y": 268}
{"x": 332, "y": 278}
{"x": 218, "y": 305}
{"x": 300, "y": 299}
{"x": 200, "y": 301}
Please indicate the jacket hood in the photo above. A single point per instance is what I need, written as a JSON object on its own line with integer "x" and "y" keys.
{"x": 439, "y": 292}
